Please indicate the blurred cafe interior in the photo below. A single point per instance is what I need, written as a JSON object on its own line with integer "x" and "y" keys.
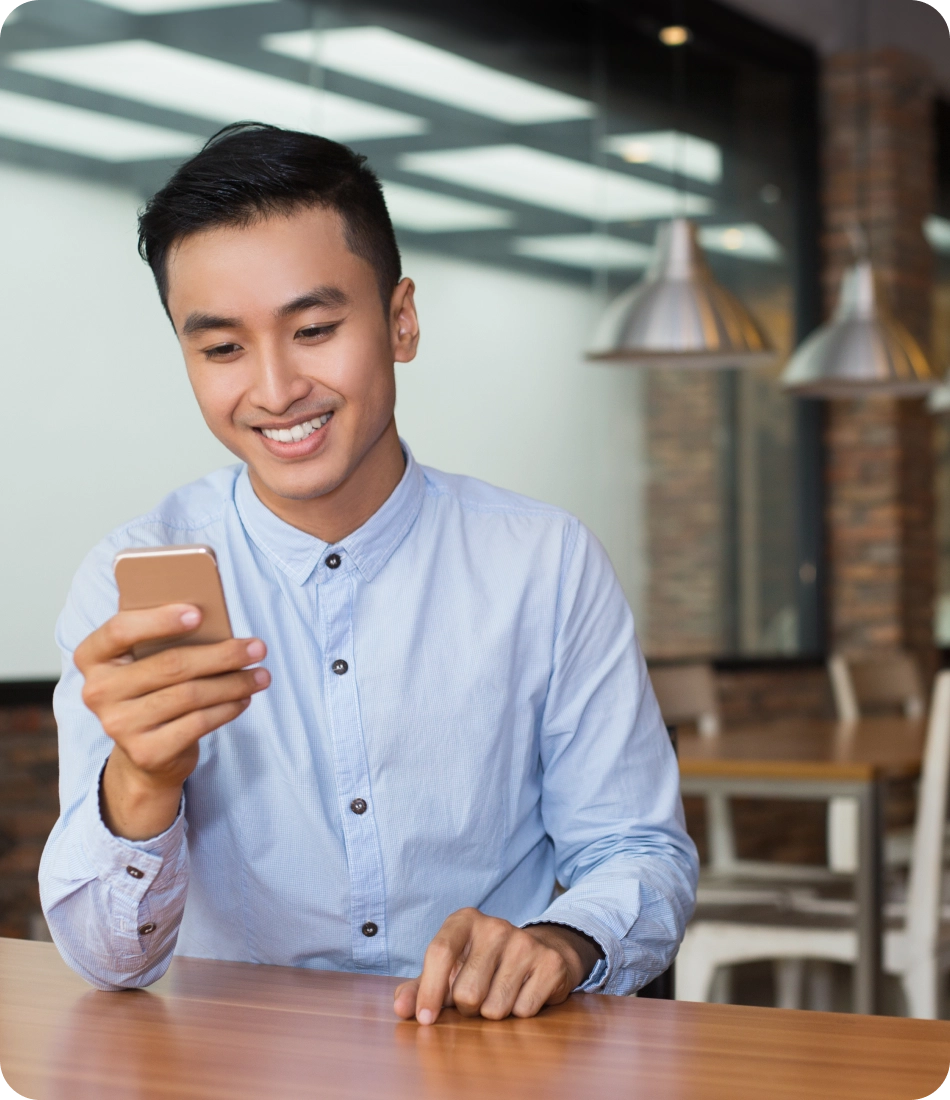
{"x": 776, "y": 503}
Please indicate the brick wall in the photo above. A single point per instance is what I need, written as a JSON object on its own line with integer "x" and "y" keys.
{"x": 29, "y": 806}
{"x": 683, "y": 614}
{"x": 880, "y": 467}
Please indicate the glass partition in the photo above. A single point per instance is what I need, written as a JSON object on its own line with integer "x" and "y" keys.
{"x": 528, "y": 153}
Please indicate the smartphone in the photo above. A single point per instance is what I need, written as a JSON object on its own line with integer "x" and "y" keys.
{"x": 158, "y": 575}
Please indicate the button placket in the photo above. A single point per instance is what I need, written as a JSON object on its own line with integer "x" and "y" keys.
{"x": 363, "y": 855}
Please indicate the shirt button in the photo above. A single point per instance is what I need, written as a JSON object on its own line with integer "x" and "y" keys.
{"x": 134, "y": 872}
{"x": 339, "y": 667}
{"x": 146, "y": 929}
{"x": 333, "y": 561}
{"x": 358, "y": 805}
{"x": 369, "y": 929}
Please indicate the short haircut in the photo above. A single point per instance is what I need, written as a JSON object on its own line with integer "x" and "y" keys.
{"x": 250, "y": 170}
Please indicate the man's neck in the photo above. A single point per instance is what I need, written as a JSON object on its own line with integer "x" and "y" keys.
{"x": 340, "y": 512}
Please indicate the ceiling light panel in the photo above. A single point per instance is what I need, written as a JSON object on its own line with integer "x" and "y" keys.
{"x": 672, "y": 151}
{"x": 158, "y": 7}
{"x": 937, "y": 232}
{"x": 596, "y": 251}
{"x": 749, "y": 241}
{"x": 88, "y": 133}
{"x": 428, "y": 212}
{"x": 201, "y": 86}
{"x": 558, "y": 183}
{"x": 384, "y": 57}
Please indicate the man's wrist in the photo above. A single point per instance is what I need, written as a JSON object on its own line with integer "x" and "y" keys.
{"x": 580, "y": 951}
{"x": 132, "y": 805}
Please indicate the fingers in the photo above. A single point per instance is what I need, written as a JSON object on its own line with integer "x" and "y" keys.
{"x": 404, "y": 999}
{"x": 441, "y": 959}
{"x": 117, "y": 636}
{"x": 156, "y": 709}
{"x": 160, "y": 751}
{"x": 480, "y": 972}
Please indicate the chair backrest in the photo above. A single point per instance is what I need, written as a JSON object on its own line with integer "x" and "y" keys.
{"x": 924, "y": 894}
{"x": 687, "y": 693}
{"x": 862, "y": 684}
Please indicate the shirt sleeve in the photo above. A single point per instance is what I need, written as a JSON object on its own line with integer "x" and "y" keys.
{"x": 610, "y": 795}
{"x": 113, "y": 906}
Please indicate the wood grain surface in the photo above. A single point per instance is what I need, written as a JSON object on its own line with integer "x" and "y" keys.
{"x": 802, "y": 748}
{"x": 234, "y": 1031}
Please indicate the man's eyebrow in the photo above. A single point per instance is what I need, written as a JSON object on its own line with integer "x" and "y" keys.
{"x": 321, "y": 297}
{"x": 203, "y": 322}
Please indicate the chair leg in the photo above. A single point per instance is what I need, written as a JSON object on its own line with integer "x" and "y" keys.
{"x": 694, "y": 972}
{"x": 789, "y": 982}
{"x": 820, "y": 986}
{"x": 920, "y": 985}
{"x": 721, "y": 992}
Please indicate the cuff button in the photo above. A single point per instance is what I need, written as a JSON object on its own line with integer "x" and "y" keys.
{"x": 134, "y": 872}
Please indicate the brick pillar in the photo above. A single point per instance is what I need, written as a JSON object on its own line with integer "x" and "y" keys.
{"x": 685, "y": 532}
{"x": 881, "y": 543}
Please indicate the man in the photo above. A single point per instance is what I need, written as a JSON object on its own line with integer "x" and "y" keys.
{"x": 454, "y": 715}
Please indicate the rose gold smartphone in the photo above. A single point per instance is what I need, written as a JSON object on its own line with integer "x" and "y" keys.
{"x": 158, "y": 575}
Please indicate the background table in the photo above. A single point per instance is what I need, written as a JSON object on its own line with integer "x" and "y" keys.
{"x": 810, "y": 759}
{"x": 236, "y": 1031}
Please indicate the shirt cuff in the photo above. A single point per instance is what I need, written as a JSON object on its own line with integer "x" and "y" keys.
{"x": 131, "y": 868}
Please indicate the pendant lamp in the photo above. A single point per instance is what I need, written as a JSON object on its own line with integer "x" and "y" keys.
{"x": 861, "y": 350}
{"x": 679, "y": 315}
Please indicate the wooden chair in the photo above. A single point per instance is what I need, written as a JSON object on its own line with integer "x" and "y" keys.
{"x": 687, "y": 693}
{"x": 917, "y": 936}
{"x": 862, "y": 685}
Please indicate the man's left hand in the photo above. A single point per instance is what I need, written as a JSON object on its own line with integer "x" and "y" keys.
{"x": 485, "y": 965}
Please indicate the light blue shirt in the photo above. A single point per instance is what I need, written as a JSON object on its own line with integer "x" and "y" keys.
{"x": 495, "y": 716}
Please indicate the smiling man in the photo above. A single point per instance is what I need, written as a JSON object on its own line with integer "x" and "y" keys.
{"x": 452, "y": 716}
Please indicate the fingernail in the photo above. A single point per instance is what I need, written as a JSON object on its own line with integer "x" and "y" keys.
{"x": 245, "y": 702}
{"x": 261, "y": 676}
{"x": 190, "y": 618}
{"x": 424, "y": 1016}
{"x": 255, "y": 650}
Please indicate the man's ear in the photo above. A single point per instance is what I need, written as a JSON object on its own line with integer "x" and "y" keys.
{"x": 404, "y": 323}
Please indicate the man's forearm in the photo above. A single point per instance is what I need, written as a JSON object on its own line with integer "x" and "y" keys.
{"x": 114, "y": 907}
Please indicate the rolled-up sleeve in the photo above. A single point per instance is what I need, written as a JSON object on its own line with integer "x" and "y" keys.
{"x": 113, "y": 906}
{"x": 610, "y": 795}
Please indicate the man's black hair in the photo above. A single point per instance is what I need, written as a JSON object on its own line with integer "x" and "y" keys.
{"x": 251, "y": 170}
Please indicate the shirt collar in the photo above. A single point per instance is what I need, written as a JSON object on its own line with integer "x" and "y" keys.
{"x": 369, "y": 547}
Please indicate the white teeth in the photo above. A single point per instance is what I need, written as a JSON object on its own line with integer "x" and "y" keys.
{"x": 298, "y": 432}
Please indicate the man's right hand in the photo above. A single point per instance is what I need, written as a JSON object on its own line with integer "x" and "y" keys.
{"x": 156, "y": 710}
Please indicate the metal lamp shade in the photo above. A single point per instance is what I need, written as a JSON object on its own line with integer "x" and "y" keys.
{"x": 861, "y": 350}
{"x": 678, "y": 315}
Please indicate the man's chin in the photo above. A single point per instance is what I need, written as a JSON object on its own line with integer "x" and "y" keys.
{"x": 296, "y": 489}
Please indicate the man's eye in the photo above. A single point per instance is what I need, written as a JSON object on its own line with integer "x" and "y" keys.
{"x": 222, "y": 351}
{"x": 315, "y": 331}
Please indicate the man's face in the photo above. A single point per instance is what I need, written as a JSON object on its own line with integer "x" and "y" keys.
{"x": 288, "y": 348}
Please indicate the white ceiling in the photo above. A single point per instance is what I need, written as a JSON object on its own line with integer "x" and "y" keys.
{"x": 833, "y": 25}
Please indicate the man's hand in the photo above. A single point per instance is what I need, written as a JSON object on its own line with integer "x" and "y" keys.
{"x": 156, "y": 710}
{"x": 486, "y": 965}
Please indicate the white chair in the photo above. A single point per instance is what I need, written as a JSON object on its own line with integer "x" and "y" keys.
{"x": 916, "y": 942}
{"x": 860, "y": 685}
{"x": 687, "y": 693}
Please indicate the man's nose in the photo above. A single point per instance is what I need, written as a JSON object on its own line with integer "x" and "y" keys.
{"x": 278, "y": 384}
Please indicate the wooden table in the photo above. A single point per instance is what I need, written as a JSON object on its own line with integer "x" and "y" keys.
{"x": 233, "y": 1031}
{"x": 810, "y": 759}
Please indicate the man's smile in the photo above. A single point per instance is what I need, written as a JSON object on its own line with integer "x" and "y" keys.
{"x": 297, "y": 440}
